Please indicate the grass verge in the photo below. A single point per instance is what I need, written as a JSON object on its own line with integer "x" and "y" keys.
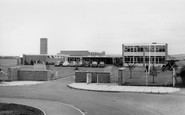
{"x": 17, "y": 109}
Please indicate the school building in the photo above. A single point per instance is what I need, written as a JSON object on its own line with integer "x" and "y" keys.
{"x": 144, "y": 53}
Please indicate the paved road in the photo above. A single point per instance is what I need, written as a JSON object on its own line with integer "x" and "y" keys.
{"x": 101, "y": 103}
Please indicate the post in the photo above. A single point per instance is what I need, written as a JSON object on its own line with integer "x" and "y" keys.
{"x": 123, "y": 55}
{"x": 146, "y": 77}
{"x": 121, "y": 76}
{"x": 97, "y": 79}
{"x": 56, "y": 74}
{"x": 133, "y": 55}
{"x": 173, "y": 75}
{"x": 149, "y": 59}
{"x": 88, "y": 78}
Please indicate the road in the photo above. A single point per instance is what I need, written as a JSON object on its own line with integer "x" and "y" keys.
{"x": 100, "y": 103}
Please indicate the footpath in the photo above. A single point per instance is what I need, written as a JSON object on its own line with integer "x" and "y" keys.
{"x": 48, "y": 107}
{"x": 115, "y": 88}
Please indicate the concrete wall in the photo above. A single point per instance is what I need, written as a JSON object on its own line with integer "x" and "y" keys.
{"x": 6, "y": 63}
{"x": 34, "y": 75}
{"x": 121, "y": 76}
{"x": 13, "y": 73}
{"x": 103, "y": 77}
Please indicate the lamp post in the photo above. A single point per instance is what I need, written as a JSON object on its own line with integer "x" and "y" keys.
{"x": 148, "y": 68}
{"x": 149, "y": 58}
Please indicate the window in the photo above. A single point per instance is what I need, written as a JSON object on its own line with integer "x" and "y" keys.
{"x": 162, "y": 49}
{"x": 140, "y": 48}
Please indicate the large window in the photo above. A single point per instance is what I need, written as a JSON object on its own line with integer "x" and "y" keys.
{"x": 151, "y": 48}
{"x": 155, "y": 59}
{"x": 132, "y": 59}
{"x": 133, "y": 48}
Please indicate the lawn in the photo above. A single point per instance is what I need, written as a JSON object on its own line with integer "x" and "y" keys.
{"x": 70, "y": 71}
{"x": 139, "y": 77}
{"x": 16, "y": 109}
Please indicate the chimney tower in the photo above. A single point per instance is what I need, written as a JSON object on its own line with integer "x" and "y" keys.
{"x": 43, "y": 46}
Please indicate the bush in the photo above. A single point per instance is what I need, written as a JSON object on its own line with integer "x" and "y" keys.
{"x": 76, "y": 68}
{"x": 182, "y": 75}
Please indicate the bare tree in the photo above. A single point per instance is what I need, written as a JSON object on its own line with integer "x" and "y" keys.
{"x": 153, "y": 72}
{"x": 131, "y": 67}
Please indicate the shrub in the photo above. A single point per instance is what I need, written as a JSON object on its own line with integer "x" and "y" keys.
{"x": 182, "y": 75}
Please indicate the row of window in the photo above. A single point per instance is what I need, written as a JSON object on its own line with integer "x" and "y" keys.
{"x": 157, "y": 48}
{"x": 140, "y": 59}
{"x": 54, "y": 56}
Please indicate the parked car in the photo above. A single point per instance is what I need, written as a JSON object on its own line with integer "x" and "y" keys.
{"x": 58, "y": 64}
{"x": 80, "y": 64}
{"x": 66, "y": 63}
{"x": 94, "y": 64}
{"x": 101, "y": 64}
{"x": 86, "y": 64}
{"x": 73, "y": 64}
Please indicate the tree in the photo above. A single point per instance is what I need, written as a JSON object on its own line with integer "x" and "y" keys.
{"x": 31, "y": 62}
{"x": 182, "y": 75}
{"x": 153, "y": 72}
{"x": 25, "y": 62}
{"x": 76, "y": 66}
{"x": 131, "y": 67}
{"x": 170, "y": 65}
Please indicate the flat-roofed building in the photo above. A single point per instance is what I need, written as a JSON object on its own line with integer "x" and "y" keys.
{"x": 85, "y": 55}
{"x": 145, "y": 53}
{"x": 40, "y": 58}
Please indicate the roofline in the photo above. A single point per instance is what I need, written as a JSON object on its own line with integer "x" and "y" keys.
{"x": 151, "y": 44}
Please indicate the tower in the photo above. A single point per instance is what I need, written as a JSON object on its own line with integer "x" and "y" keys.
{"x": 43, "y": 45}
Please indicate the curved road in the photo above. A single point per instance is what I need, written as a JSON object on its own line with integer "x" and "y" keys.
{"x": 100, "y": 103}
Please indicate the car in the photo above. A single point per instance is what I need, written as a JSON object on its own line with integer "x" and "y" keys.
{"x": 58, "y": 64}
{"x": 86, "y": 64}
{"x": 80, "y": 64}
{"x": 73, "y": 64}
{"x": 66, "y": 63}
{"x": 101, "y": 64}
{"x": 94, "y": 64}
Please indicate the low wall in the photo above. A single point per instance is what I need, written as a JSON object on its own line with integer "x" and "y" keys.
{"x": 13, "y": 73}
{"x": 103, "y": 77}
{"x": 34, "y": 75}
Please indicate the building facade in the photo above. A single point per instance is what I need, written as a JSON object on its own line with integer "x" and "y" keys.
{"x": 85, "y": 55}
{"x": 144, "y": 54}
{"x": 49, "y": 59}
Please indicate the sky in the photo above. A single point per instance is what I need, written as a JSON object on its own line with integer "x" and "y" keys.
{"x": 94, "y": 25}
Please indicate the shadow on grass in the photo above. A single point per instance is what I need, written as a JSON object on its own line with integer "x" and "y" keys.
{"x": 17, "y": 109}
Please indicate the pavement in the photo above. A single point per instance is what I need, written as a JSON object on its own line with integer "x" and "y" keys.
{"x": 20, "y": 83}
{"x": 115, "y": 88}
{"x": 48, "y": 107}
